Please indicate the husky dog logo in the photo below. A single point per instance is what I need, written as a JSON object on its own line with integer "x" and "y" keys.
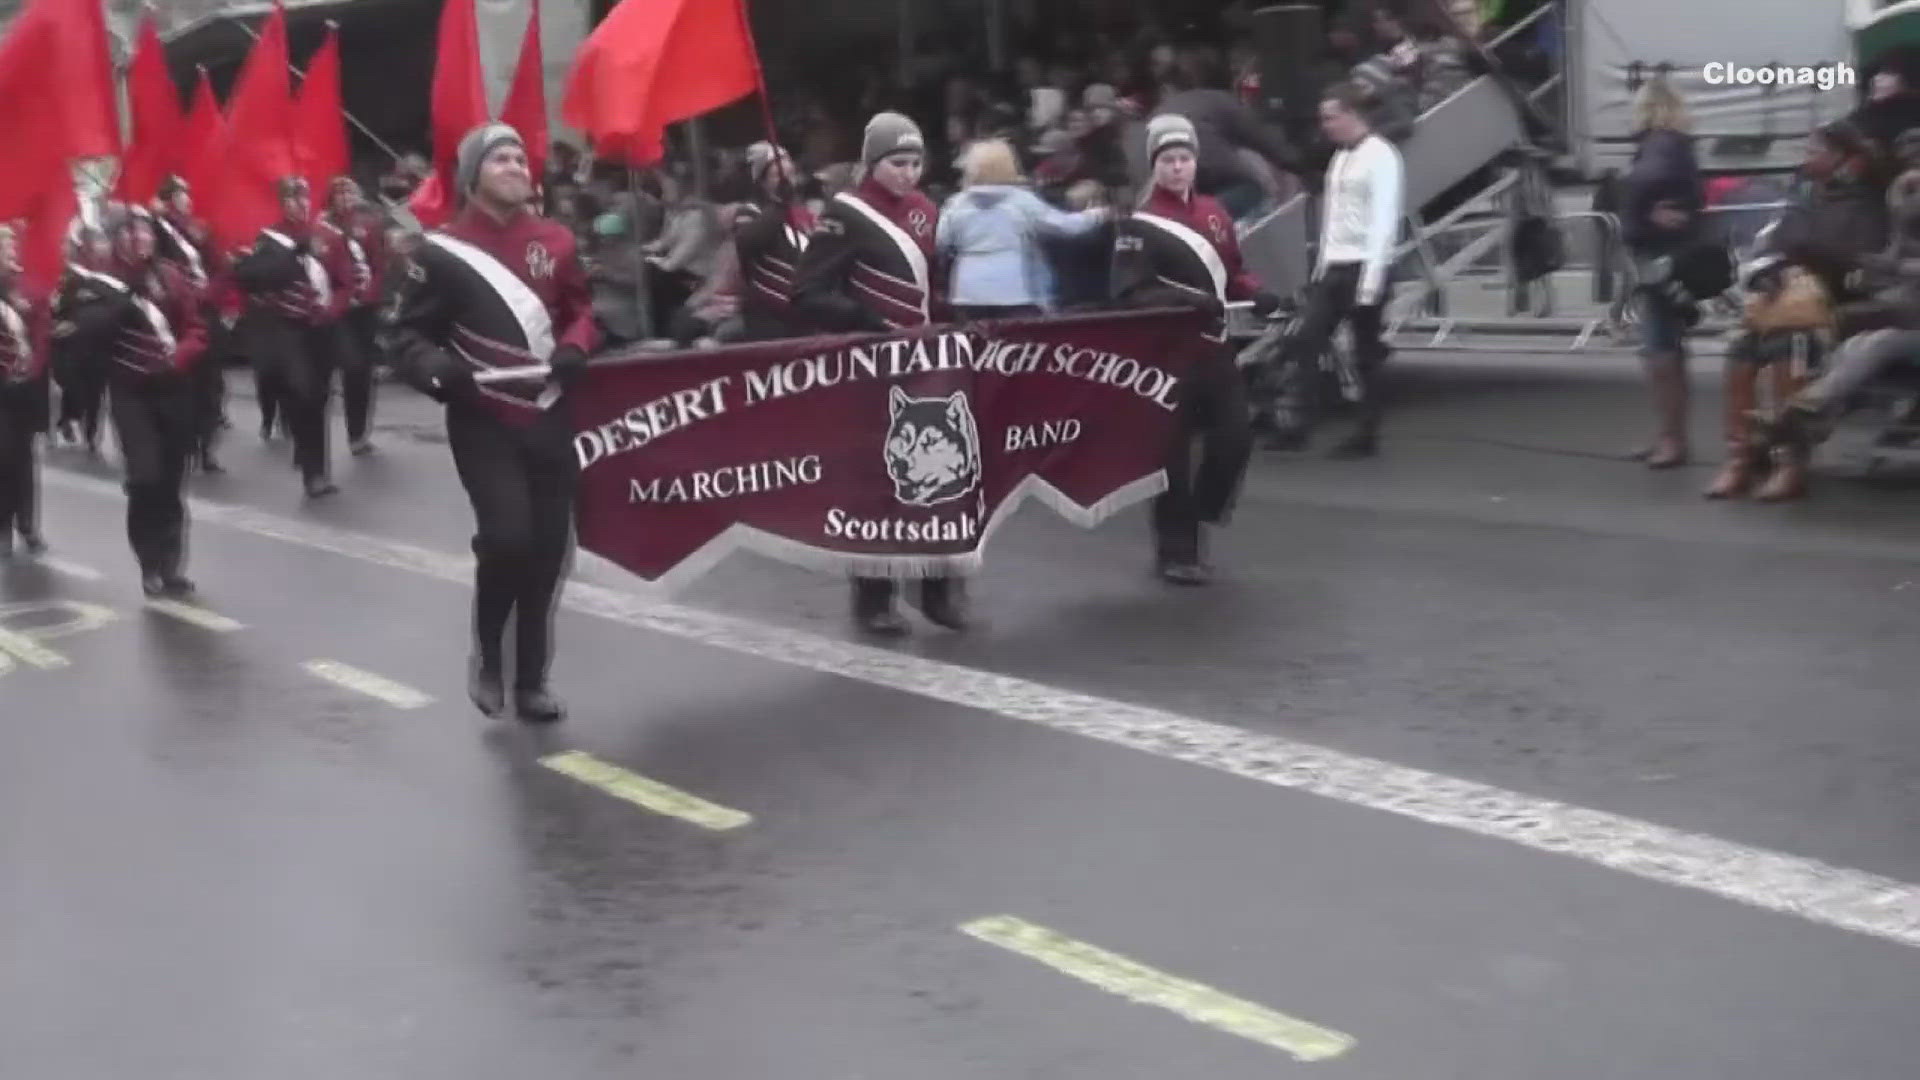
{"x": 933, "y": 448}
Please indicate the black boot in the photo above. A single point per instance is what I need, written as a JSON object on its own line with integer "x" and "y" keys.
{"x": 486, "y": 689}
{"x": 1178, "y": 562}
{"x": 944, "y": 602}
{"x": 33, "y": 542}
{"x": 873, "y": 609}
{"x": 154, "y": 585}
{"x": 319, "y": 487}
{"x": 536, "y": 705}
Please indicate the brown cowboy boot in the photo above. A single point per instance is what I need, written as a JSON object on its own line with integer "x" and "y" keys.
{"x": 1789, "y": 478}
{"x": 1667, "y": 377}
{"x": 1736, "y": 475}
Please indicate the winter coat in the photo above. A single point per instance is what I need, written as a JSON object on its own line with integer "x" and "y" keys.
{"x": 992, "y": 233}
{"x": 1664, "y": 170}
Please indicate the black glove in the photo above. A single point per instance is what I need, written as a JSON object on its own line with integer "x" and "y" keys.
{"x": 444, "y": 378}
{"x": 1265, "y": 304}
{"x": 568, "y": 362}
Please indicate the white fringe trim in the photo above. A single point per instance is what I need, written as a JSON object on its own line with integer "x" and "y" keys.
{"x": 903, "y": 566}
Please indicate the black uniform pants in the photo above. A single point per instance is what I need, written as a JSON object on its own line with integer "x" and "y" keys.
{"x": 19, "y": 472}
{"x": 83, "y": 390}
{"x": 521, "y": 484}
{"x": 155, "y": 425}
{"x": 358, "y": 354}
{"x": 296, "y": 382}
{"x": 210, "y": 387}
{"x": 1332, "y": 300}
{"x": 1214, "y": 414}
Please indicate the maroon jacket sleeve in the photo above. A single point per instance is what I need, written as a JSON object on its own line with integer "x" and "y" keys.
{"x": 1241, "y": 285}
{"x": 573, "y": 301}
{"x": 343, "y": 282}
{"x": 189, "y": 327}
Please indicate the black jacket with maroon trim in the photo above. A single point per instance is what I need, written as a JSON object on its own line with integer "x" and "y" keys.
{"x": 770, "y": 238}
{"x": 482, "y": 294}
{"x": 159, "y": 332}
{"x": 870, "y": 263}
{"x": 1177, "y": 251}
{"x": 23, "y": 357}
{"x": 184, "y": 243}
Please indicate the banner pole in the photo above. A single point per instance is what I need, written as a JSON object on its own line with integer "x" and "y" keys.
{"x": 363, "y": 129}
{"x": 640, "y": 277}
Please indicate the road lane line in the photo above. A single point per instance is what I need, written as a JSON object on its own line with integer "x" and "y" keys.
{"x": 374, "y": 686}
{"x": 1146, "y": 986}
{"x": 197, "y": 616}
{"x": 1819, "y": 892}
{"x": 71, "y": 569}
{"x": 29, "y": 651}
{"x": 650, "y": 794}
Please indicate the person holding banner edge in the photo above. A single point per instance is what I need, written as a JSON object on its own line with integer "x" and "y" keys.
{"x": 868, "y": 268}
{"x": 502, "y": 287}
{"x": 1178, "y": 250}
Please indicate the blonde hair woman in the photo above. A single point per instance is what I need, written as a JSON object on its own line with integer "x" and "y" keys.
{"x": 1659, "y": 219}
{"x": 991, "y": 231}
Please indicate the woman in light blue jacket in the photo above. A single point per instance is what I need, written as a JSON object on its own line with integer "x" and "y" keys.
{"x": 991, "y": 233}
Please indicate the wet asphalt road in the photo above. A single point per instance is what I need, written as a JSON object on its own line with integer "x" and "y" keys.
{"x": 214, "y": 864}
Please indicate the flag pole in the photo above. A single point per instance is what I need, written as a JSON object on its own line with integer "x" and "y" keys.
{"x": 640, "y": 276}
{"x": 363, "y": 129}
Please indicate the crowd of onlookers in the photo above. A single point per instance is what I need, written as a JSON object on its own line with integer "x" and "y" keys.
{"x": 1073, "y": 116}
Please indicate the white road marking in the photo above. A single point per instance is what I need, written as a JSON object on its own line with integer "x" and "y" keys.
{"x": 1137, "y": 982}
{"x": 645, "y": 792}
{"x": 197, "y": 616}
{"x": 29, "y": 651}
{"x": 374, "y": 686}
{"x": 1819, "y": 892}
{"x": 71, "y": 569}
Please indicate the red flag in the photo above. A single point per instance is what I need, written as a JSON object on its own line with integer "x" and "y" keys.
{"x": 320, "y": 126}
{"x": 459, "y": 92}
{"x": 259, "y": 145}
{"x": 526, "y": 107}
{"x": 202, "y": 141}
{"x": 656, "y": 62}
{"x": 429, "y": 203}
{"x": 155, "y": 104}
{"x": 36, "y": 187}
{"x": 81, "y": 67}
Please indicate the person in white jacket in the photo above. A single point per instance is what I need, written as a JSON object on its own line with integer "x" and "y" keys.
{"x": 1361, "y": 213}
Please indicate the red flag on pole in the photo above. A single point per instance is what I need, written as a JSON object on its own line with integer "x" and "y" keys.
{"x": 319, "y": 125}
{"x": 259, "y": 145}
{"x": 526, "y": 107}
{"x": 459, "y": 92}
{"x": 656, "y": 62}
{"x": 202, "y": 141}
{"x": 83, "y": 68}
{"x": 36, "y": 187}
{"x": 154, "y": 101}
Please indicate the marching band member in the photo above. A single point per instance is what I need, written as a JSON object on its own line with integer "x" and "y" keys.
{"x": 501, "y": 286}
{"x": 770, "y": 233}
{"x": 868, "y": 268}
{"x": 24, "y": 401}
{"x": 80, "y": 343}
{"x": 1178, "y": 250}
{"x": 161, "y": 339}
{"x": 349, "y": 226}
{"x": 299, "y": 281}
{"x": 184, "y": 241}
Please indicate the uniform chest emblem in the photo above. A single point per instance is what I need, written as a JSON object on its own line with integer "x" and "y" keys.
{"x": 917, "y": 221}
{"x": 539, "y": 261}
{"x": 1218, "y": 227}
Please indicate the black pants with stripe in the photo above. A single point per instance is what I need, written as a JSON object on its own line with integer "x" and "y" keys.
{"x": 358, "y": 355}
{"x": 521, "y": 483}
{"x": 1214, "y": 414}
{"x": 155, "y": 421}
{"x": 19, "y": 472}
{"x": 305, "y": 387}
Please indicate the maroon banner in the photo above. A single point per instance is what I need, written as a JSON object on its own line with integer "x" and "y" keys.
{"x": 892, "y": 455}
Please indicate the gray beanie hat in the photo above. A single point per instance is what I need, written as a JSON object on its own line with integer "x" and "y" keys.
{"x": 890, "y": 133}
{"x": 761, "y": 156}
{"x": 474, "y": 148}
{"x": 1169, "y": 130}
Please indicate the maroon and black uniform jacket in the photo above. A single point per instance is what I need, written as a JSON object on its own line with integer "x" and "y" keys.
{"x": 482, "y": 294}
{"x": 184, "y": 242}
{"x": 162, "y": 328}
{"x": 770, "y": 239}
{"x": 298, "y": 274}
{"x": 870, "y": 263}
{"x": 1177, "y": 251}
{"x": 25, "y": 322}
{"x": 365, "y": 247}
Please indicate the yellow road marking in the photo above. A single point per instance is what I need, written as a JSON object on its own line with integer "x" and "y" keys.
{"x": 1139, "y": 983}
{"x": 651, "y": 794}
{"x": 29, "y": 651}
{"x": 198, "y": 616}
{"x": 366, "y": 682}
{"x": 70, "y": 569}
